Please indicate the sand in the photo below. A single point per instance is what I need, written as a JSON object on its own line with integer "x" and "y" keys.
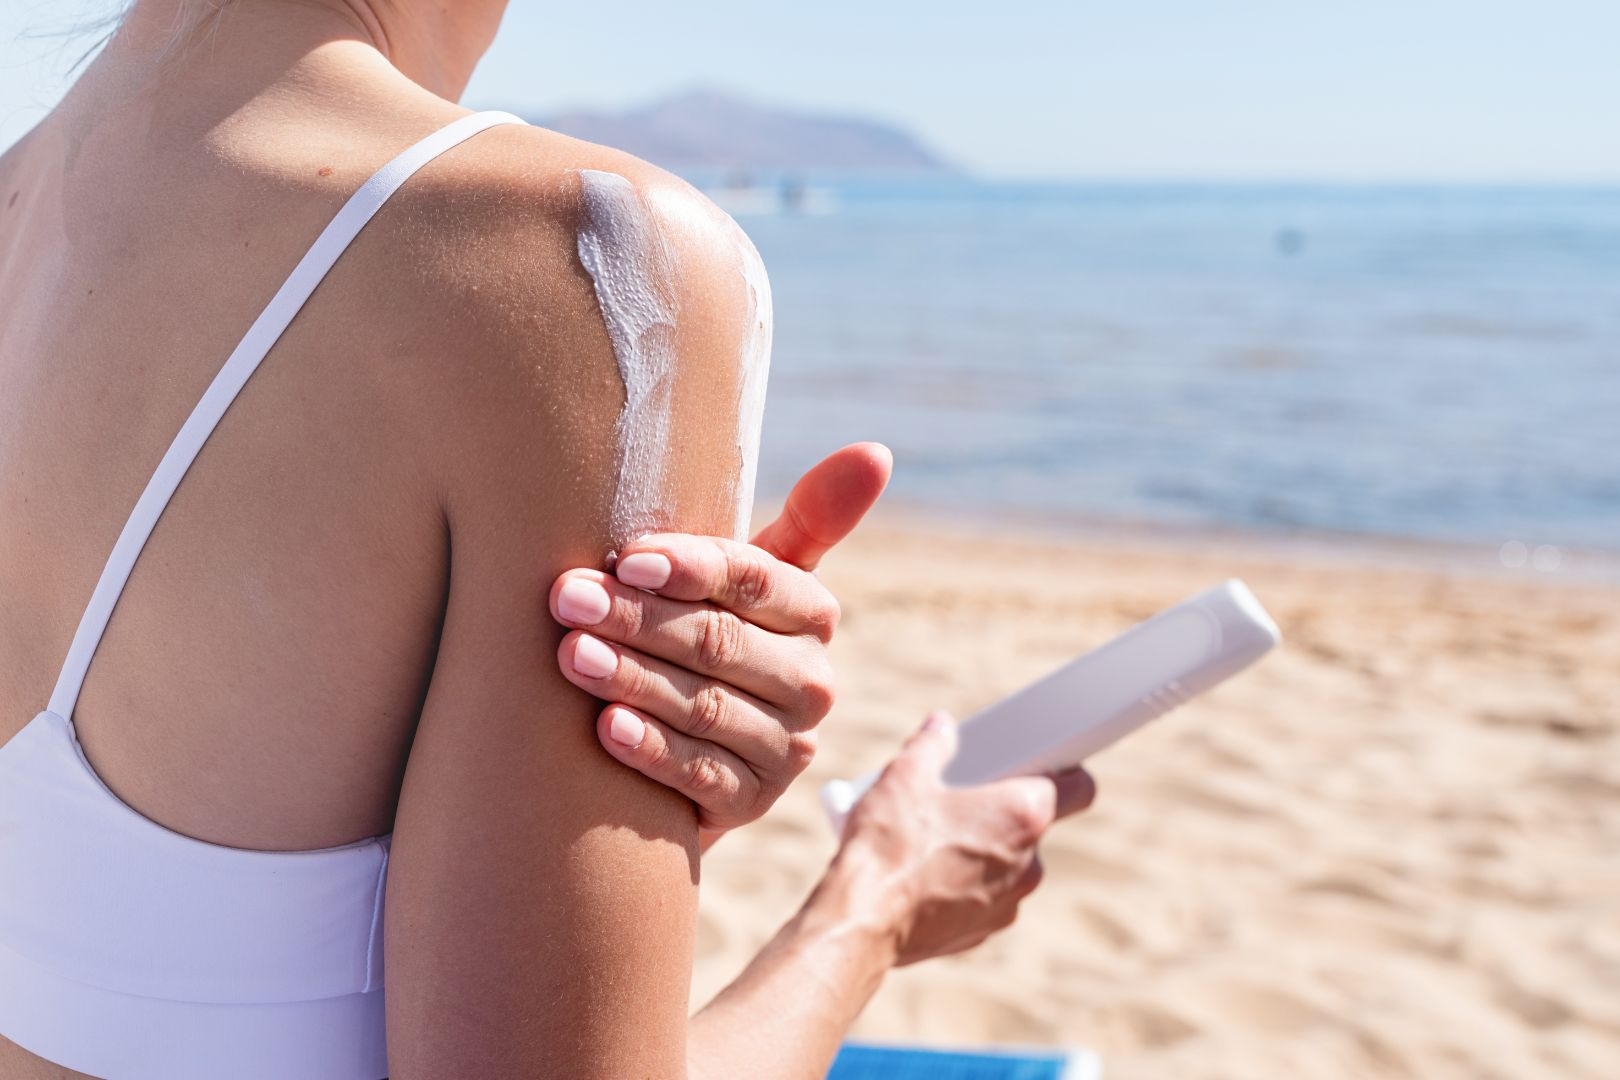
{"x": 1390, "y": 850}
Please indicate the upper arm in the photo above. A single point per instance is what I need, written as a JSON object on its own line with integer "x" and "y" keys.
{"x": 541, "y": 897}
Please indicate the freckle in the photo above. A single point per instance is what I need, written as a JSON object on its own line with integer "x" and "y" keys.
{"x": 326, "y": 170}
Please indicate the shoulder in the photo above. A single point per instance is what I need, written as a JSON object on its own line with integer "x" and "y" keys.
{"x": 532, "y": 259}
{"x": 521, "y": 198}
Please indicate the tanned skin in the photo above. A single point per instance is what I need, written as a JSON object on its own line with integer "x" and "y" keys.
{"x": 339, "y": 628}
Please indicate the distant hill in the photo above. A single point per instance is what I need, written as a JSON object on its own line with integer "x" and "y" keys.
{"x": 713, "y": 130}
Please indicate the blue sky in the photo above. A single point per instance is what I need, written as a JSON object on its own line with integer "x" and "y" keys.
{"x": 1489, "y": 90}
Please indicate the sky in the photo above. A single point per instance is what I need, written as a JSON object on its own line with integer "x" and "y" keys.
{"x": 1352, "y": 90}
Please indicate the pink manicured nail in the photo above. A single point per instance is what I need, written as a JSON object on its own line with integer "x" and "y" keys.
{"x": 644, "y": 570}
{"x": 583, "y": 601}
{"x": 593, "y": 658}
{"x": 626, "y": 728}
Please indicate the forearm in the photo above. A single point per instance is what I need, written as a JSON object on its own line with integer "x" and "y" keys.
{"x": 784, "y": 1017}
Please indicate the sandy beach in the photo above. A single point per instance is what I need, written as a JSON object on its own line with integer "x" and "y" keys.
{"x": 1388, "y": 851}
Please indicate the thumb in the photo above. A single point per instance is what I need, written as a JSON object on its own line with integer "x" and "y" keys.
{"x": 931, "y": 746}
{"x": 827, "y": 503}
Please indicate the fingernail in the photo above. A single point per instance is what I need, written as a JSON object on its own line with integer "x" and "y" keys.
{"x": 583, "y": 602}
{"x": 644, "y": 570}
{"x": 938, "y": 720}
{"x": 626, "y": 728}
{"x": 593, "y": 658}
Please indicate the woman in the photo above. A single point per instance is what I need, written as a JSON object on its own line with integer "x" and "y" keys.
{"x": 505, "y": 354}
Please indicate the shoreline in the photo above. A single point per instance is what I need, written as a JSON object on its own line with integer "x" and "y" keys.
{"x": 1576, "y": 565}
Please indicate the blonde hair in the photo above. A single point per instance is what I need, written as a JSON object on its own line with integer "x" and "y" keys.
{"x": 189, "y": 18}
{"x": 103, "y": 27}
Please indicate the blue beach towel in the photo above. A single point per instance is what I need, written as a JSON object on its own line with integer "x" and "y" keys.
{"x": 867, "y": 1061}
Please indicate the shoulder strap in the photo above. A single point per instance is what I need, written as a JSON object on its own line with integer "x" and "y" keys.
{"x": 263, "y": 334}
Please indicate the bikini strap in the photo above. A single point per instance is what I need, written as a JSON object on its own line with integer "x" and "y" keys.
{"x": 243, "y": 361}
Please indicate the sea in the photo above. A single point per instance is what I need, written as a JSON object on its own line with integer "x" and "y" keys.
{"x": 1423, "y": 363}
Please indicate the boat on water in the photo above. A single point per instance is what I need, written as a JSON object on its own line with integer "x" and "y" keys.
{"x": 742, "y": 196}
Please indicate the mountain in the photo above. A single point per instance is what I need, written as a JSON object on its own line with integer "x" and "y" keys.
{"x": 710, "y": 129}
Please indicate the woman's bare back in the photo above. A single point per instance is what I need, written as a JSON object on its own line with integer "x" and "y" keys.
{"x": 260, "y": 678}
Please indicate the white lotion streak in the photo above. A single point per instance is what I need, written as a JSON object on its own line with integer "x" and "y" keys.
{"x": 633, "y": 270}
{"x": 756, "y": 366}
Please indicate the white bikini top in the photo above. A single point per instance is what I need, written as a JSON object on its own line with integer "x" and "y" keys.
{"x": 131, "y": 952}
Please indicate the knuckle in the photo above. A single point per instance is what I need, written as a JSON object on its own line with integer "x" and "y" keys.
{"x": 630, "y": 682}
{"x": 627, "y": 618}
{"x": 824, "y": 617}
{"x": 720, "y": 640}
{"x": 708, "y": 712}
{"x": 763, "y": 788}
{"x": 708, "y": 780}
{"x": 817, "y": 694}
{"x": 801, "y": 751}
{"x": 756, "y": 795}
{"x": 749, "y": 581}
{"x": 1028, "y": 821}
{"x": 660, "y": 758}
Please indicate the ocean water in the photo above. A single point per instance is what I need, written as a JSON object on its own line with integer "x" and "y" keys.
{"x": 1421, "y": 363}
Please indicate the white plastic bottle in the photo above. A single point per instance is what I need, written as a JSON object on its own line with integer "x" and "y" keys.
{"x": 1103, "y": 696}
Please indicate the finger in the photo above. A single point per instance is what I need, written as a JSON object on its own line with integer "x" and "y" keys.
{"x": 827, "y": 503}
{"x": 1076, "y": 790}
{"x": 787, "y": 670}
{"x": 1028, "y": 805}
{"x": 695, "y": 706}
{"x": 741, "y": 578}
{"x": 722, "y": 785}
{"x": 931, "y": 747}
{"x": 1030, "y": 879}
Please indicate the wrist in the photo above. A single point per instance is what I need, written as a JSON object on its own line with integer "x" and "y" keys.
{"x": 860, "y": 899}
